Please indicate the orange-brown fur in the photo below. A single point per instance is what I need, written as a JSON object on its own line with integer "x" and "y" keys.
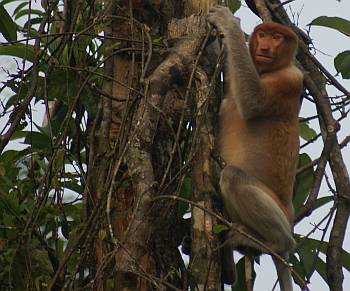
{"x": 267, "y": 147}
{"x": 285, "y": 54}
{"x": 258, "y": 137}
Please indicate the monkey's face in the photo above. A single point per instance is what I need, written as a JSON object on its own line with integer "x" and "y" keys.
{"x": 272, "y": 47}
{"x": 267, "y": 46}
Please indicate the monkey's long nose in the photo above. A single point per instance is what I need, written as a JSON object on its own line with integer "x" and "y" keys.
{"x": 264, "y": 51}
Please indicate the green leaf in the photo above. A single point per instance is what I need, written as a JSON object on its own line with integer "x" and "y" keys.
{"x": 306, "y": 132}
{"x": 18, "y": 50}
{"x": 63, "y": 85}
{"x": 321, "y": 268}
{"x": 241, "y": 279}
{"x": 342, "y": 64}
{"x": 337, "y": 23}
{"x": 74, "y": 186}
{"x": 37, "y": 140}
{"x": 32, "y": 22}
{"x": 9, "y": 167}
{"x": 20, "y": 7}
{"x": 307, "y": 250}
{"x": 73, "y": 211}
{"x": 297, "y": 265}
{"x": 4, "y": 2}
{"x": 303, "y": 182}
{"x": 26, "y": 12}
{"x": 307, "y": 253}
{"x": 10, "y": 204}
{"x": 323, "y": 201}
{"x": 234, "y": 5}
{"x": 58, "y": 162}
{"x": 303, "y": 263}
{"x": 11, "y": 156}
{"x": 18, "y": 134}
{"x": 345, "y": 260}
{"x": 8, "y": 219}
{"x": 7, "y": 27}
{"x": 42, "y": 260}
{"x": 186, "y": 191}
{"x": 218, "y": 228}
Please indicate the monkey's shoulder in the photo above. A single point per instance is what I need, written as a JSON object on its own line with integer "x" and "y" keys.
{"x": 285, "y": 82}
{"x": 293, "y": 73}
{"x": 290, "y": 73}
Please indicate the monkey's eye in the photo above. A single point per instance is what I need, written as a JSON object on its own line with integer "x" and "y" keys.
{"x": 277, "y": 36}
{"x": 261, "y": 34}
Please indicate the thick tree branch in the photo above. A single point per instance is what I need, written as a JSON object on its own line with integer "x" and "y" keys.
{"x": 309, "y": 205}
{"x": 263, "y": 11}
{"x": 139, "y": 156}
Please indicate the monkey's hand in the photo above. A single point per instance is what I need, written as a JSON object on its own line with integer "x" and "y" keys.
{"x": 222, "y": 18}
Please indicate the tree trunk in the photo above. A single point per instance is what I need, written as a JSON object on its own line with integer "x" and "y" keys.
{"x": 146, "y": 137}
{"x": 205, "y": 263}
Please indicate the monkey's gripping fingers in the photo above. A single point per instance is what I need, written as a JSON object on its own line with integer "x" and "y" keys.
{"x": 222, "y": 19}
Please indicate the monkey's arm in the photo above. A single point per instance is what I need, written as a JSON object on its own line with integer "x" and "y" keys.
{"x": 241, "y": 76}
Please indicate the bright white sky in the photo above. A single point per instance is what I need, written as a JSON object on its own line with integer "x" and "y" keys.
{"x": 330, "y": 43}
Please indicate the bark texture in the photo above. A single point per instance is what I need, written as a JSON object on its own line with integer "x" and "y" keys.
{"x": 139, "y": 133}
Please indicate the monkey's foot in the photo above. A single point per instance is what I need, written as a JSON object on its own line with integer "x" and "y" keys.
{"x": 245, "y": 240}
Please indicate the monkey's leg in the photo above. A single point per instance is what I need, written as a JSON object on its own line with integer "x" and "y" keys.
{"x": 228, "y": 268}
{"x": 284, "y": 274}
{"x": 249, "y": 202}
{"x": 239, "y": 238}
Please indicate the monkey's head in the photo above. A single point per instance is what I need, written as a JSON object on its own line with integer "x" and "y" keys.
{"x": 272, "y": 46}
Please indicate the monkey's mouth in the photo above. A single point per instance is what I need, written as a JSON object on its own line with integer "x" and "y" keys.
{"x": 268, "y": 57}
{"x": 264, "y": 58}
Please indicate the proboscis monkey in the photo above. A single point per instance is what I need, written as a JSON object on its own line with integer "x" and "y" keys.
{"x": 259, "y": 138}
